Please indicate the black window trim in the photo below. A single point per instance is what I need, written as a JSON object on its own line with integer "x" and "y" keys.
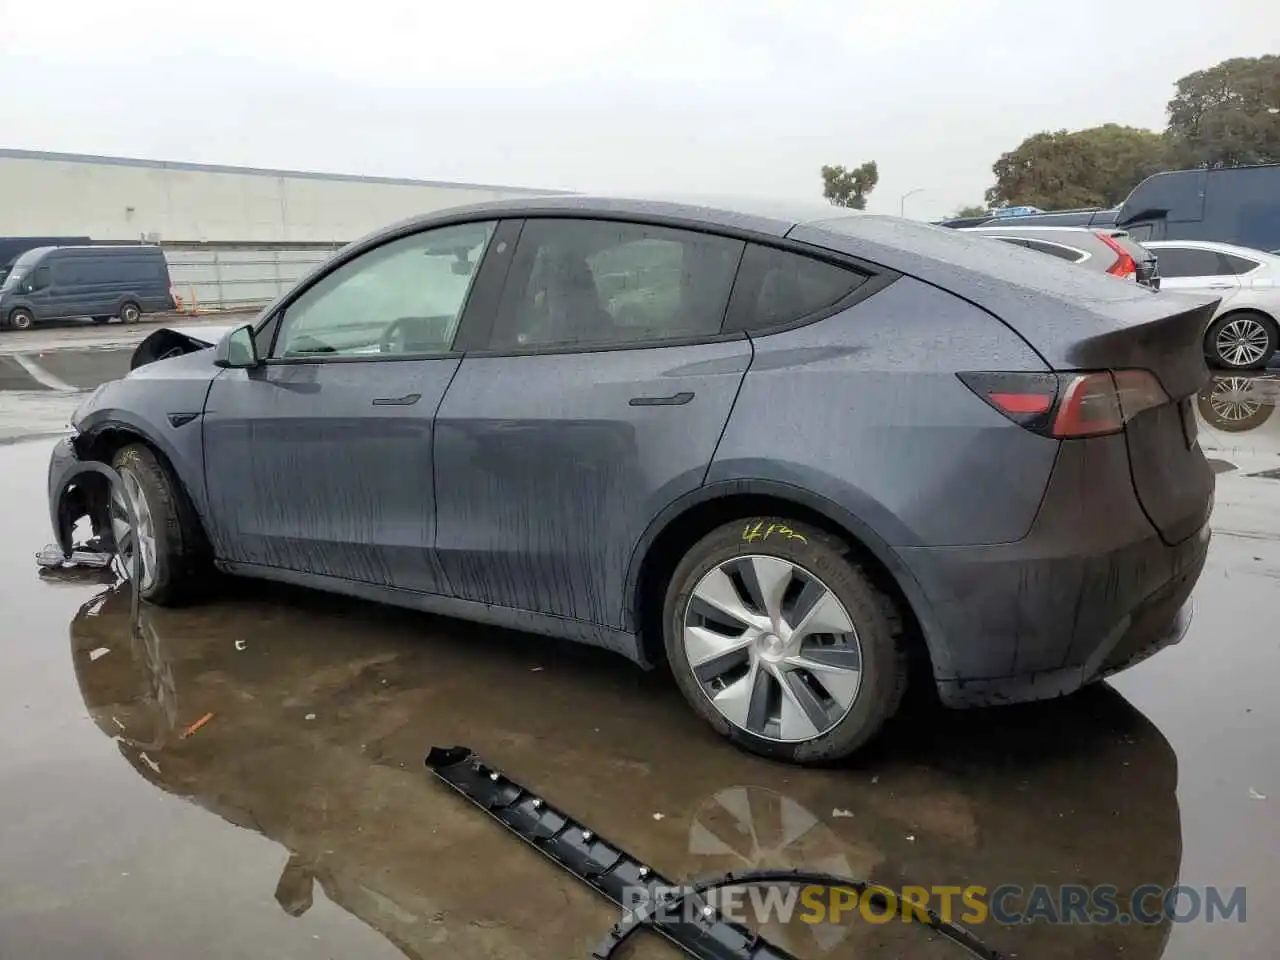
{"x": 269, "y": 325}
{"x": 476, "y": 329}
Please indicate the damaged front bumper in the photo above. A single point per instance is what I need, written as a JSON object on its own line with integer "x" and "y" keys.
{"x": 66, "y": 506}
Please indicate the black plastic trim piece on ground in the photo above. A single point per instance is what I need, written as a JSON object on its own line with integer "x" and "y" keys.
{"x": 602, "y": 865}
{"x": 611, "y": 871}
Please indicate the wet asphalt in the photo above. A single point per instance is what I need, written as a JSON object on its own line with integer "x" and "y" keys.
{"x": 246, "y": 778}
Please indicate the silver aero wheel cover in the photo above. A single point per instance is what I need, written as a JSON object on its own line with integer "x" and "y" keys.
{"x": 1242, "y": 341}
{"x": 772, "y": 648}
{"x": 129, "y": 539}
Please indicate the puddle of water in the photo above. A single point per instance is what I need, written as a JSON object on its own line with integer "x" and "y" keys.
{"x": 252, "y": 773}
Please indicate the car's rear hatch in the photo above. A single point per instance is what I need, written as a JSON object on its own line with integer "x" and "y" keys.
{"x": 1076, "y": 320}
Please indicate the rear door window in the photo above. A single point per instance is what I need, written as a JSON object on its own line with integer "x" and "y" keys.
{"x": 776, "y": 288}
{"x": 579, "y": 284}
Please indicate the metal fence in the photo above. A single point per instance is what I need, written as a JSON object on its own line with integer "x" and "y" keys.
{"x": 213, "y": 279}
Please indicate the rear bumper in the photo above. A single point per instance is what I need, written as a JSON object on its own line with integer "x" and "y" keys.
{"x": 1091, "y": 590}
{"x": 1160, "y": 622}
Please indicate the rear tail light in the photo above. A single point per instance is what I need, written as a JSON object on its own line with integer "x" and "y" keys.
{"x": 1125, "y": 265}
{"x": 1068, "y": 405}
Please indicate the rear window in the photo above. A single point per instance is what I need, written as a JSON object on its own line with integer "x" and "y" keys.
{"x": 775, "y": 288}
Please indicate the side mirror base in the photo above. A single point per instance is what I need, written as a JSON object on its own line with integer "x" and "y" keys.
{"x": 237, "y": 350}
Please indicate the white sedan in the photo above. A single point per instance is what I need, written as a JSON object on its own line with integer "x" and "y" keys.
{"x": 1245, "y": 331}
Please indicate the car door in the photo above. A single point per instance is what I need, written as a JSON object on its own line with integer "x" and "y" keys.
{"x": 1196, "y": 270}
{"x": 320, "y": 460}
{"x": 591, "y": 398}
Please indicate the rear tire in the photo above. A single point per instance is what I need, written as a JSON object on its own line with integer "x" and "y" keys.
{"x": 22, "y": 319}
{"x": 1243, "y": 340}
{"x": 130, "y": 312}
{"x": 175, "y": 560}
{"x": 820, "y": 715}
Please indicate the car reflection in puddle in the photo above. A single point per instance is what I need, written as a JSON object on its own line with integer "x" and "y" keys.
{"x": 307, "y": 720}
{"x": 1238, "y": 403}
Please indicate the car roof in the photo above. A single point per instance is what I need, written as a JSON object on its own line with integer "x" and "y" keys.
{"x": 770, "y": 217}
{"x": 106, "y": 248}
{"x": 1214, "y": 245}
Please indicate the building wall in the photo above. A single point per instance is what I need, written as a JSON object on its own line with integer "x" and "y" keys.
{"x": 110, "y": 198}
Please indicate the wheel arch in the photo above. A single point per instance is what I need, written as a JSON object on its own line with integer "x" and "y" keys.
{"x": 1267, "y": 315}
{"x": 693, "y": 516}
{"x": 101, "y": 443}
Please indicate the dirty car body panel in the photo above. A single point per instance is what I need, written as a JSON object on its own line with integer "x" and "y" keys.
{"x": 526, "y": 486}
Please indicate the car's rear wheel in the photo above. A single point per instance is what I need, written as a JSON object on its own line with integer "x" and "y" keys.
{"x": 163, "y": 527}
{"x": 21, "y": 319}
{"x": 782, "y": 643}
{"x": 130, "y": 313}
{"x": 1244, "y": 340}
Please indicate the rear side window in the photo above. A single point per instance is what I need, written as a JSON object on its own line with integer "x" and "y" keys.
{"x": 777, "y": 287}
{"x": 1239, "y": 265}
{"x": 1191, "y": 262}
{"x": 1056, "y": 250}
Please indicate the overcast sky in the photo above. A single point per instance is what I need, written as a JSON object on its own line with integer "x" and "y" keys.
{"x": 735, "y": 97}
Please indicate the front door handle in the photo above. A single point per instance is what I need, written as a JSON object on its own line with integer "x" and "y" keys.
{"x": 408, "y": 400}
{"x": 675, "y": 400}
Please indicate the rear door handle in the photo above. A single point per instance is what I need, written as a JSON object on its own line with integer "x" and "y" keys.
{"x": 675, "y": 400}
{"x": 408, "y": 400}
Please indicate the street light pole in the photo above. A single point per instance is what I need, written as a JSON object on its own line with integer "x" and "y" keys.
{"x": 902, "y": 202}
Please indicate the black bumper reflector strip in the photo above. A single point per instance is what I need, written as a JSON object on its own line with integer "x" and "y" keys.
{"x": 604, "y": 866}
{"x": 609, "y": 870}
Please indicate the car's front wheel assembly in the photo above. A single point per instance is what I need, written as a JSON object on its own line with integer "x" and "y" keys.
{"x": 782, "y": 642}
{"x": 159, "y": 524}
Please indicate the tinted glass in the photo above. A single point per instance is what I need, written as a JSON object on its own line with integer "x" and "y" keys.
{"x": 776, "y": 287}
{"x": 1016, "y": 241}
{"x": 593, "y": 282}
{"x": 1189, "y": 262}
{"x": 1055, "y": 250}
{"x": 405, "y": 297}
{"x": 1238, "y": 265}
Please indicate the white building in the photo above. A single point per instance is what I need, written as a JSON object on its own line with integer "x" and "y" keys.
{"x": 235, "y": 237}
{"x": 116, "y": 198}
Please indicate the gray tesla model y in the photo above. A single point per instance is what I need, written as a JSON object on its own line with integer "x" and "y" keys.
{"x": 791, "y": 456}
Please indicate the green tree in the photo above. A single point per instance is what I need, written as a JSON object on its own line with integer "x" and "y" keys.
{"x": 849, "y": 188}
{"x": 970, "y": 211}
{"x": 1220, "y": 117}
{"x": 1096, "y": 167}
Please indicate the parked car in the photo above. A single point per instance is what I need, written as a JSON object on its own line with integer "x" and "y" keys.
{"x": 821, "y": 453}
{"x": 1111, "y": 251}
{"x": 1097, "y": 217}
{"x": 1238, "y": 205}
{"x": 1246, "y": 325}
{"x": 55, "y": 283}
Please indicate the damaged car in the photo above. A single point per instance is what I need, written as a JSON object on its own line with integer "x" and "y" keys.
{"x": 801, "y": 460}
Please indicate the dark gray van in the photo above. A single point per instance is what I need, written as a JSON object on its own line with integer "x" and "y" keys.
{"x": 54, "y": 283}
